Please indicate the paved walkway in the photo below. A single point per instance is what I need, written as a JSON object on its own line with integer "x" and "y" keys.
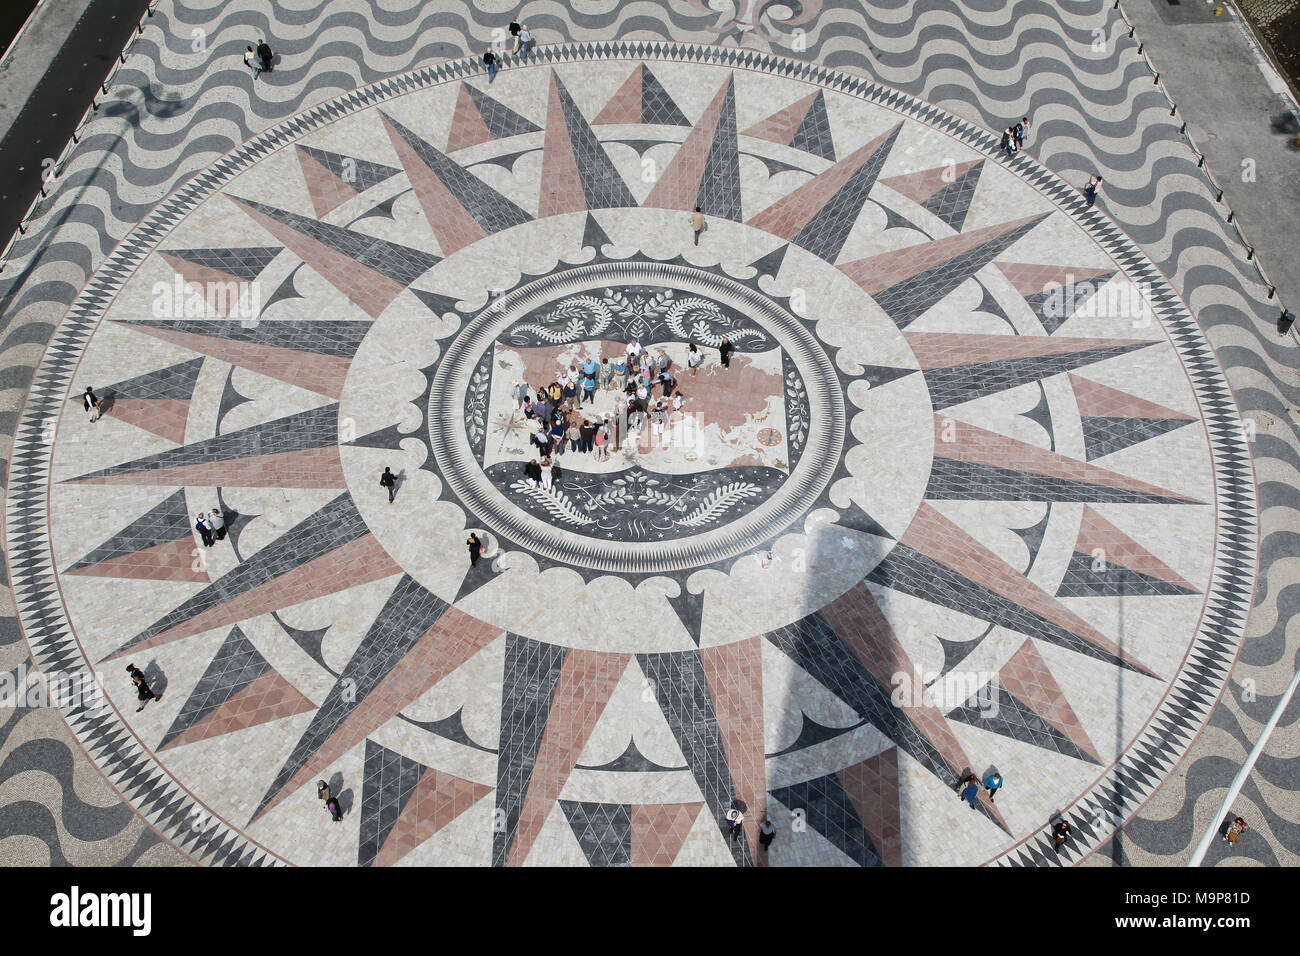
{"x": 972, "y": 496}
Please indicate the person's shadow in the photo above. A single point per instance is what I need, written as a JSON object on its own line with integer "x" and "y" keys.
{"x": 399, "y": 479}
{"x": 344, "y": 797}
{"x": 156, "y": 679}
{"x": 106, "y": 404}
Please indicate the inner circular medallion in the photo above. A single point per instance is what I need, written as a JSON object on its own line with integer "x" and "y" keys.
{"x": 748, "y": 451}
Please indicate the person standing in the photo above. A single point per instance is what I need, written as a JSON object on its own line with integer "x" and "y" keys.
{"x": 602, "y": 441}
{"x": 142, "y": 689}
{"x": 389, "y": 480}
{"x": 694, "y": 358}
{"x": 490, "y": 60}
{"x": 1022, "y": 130}
{"x": 588, "y": 390}
{"x": 724, "y": 352}
{"x": 606, "y": 375}
{"x": 322, "y": 791}
{"x": 658, "y": 418}
{"x": 217, "y": 522}
{"x": 766, "y": 832}
{"x": 697, "y": 224}
{"x": 1235, "y": 829}
{"x": 533, "y": 474}
{"x": 525, "y": 42}
{"x": 669, "y": 382}
{"x": 993, "y": 783}
{"x": 519, "y": 392}
{"x": 1090, "y": 190}
{"x": 970, "y": 790}
{"x": 90, "y": 401}
{"x": 620, "y": 373}
{"x": 475, "y": 548}
{"x": 204, "y": 529}
{"x": 1006, "y": 141}
{"x": 587, "y": 434}
{"x": 548, "y": 474}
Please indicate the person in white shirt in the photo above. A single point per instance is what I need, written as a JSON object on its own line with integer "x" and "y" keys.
{"x": 525, "y": 41}
{"x": 217, "y": 522}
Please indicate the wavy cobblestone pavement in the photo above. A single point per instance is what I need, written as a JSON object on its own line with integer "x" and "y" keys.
{"x": 974, "y": 557}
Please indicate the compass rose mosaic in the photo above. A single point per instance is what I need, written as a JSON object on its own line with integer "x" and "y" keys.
{"x": 969, "y": 495}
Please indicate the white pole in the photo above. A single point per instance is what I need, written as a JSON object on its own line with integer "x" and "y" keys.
{"x": 1240, "y": 780}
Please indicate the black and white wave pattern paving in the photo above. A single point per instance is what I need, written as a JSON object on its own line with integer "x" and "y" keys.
{"x": 177, "y": 104}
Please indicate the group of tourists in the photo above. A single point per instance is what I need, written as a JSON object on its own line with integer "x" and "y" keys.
{"x": 647, "y": 393}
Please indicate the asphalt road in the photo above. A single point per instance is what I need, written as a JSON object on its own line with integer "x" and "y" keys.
{"x": 51, "y": 114}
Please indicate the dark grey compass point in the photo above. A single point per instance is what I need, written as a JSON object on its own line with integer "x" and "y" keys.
{"x": 855, "y": 519}
{"x": 769, "y": 264}
{"x": 477, "y": 576}
{"x": 689, "y": 608}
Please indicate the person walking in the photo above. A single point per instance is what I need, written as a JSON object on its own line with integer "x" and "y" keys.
{"x": 1006, "y": 141}
{"x": 1022, "y": 130}
{"x": 490, "y": 60}
{"x": 475, "y": 548}
{"x": 142, "y": 689}
{"x": 669, "y": 382}
{"x": 993, "y": 783}
{"x": 253, "y": 61}
{"x": 766, "y": 833}
{"x": 694, "y": 358}
{"x": 90, "y": 401}
{"x": 514, "y": 32}
{"x": 525, "y": 42}
{"x": 322, "y": 791}
{"x": 389, "y": 480}
{"x": 265, "y": 55}
{"x": 724, "y": 352}
{"x": 204, "y": 529}
{"x": 217, "y": 522}
{"x": 1234, "y": 831}
{"x": 697, "y": 223}
{"x": 1090, "y": 190}
{"x": 519, "y": 392}
{"x": 336, "y": 811}
{"x": 970, "y": 790}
